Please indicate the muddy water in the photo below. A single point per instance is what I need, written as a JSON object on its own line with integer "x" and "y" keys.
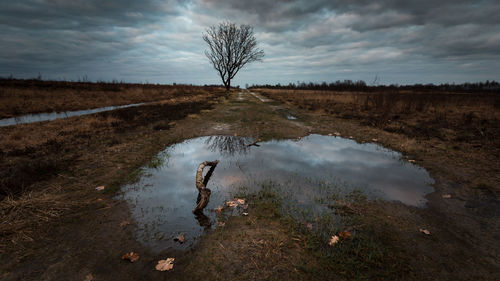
{"x": 30, "y": 118}
{"x": 163, "y": 200}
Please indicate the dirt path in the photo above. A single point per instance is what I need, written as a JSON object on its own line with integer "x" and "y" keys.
{"x": 86, "y": 239}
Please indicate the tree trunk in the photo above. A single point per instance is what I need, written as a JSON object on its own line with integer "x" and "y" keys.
{"x": 203, "y": 191}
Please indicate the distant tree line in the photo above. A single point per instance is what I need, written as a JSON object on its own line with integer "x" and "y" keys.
{"x": 360, "y": 85}
{"x": 86, "y": 84}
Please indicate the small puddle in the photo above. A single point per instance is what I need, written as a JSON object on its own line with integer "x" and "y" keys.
{"x": 259, "y": 97}
{"x": 49, "y": 116}
{"x": 240, "y": 96}
{"x": 162, "y": 201}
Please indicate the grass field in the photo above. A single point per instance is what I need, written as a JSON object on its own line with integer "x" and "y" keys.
{"x": 448, "y": 116}
{"x": 34, "y": 96}
{"x": 56, "y": 226}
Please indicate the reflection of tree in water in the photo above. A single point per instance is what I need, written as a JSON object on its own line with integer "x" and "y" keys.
{"x": 229, "y": 145}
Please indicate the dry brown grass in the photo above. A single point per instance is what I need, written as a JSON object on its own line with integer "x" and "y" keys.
{"x": 49, "y": 170}
{"x": 20, "y": 97}
{"x": 21, "y": 216}
{"x": 447, "y": 116}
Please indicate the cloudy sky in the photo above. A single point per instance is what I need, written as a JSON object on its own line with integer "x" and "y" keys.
{"x": 304, "y": 40}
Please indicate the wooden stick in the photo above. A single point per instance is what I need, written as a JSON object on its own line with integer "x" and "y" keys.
{"x": 255, "y": 143}
{"x": 203, "y": 191}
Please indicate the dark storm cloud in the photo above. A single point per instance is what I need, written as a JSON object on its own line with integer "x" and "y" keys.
{"x": 160, "y": 40}
{"x": 57, "y": 35}
{"x": 377, "y": 13}
{"x": 365, "y": 32}
{"x": 81, "y": 14}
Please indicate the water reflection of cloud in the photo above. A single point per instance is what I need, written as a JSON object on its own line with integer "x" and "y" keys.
{"x": 164, "y": 200}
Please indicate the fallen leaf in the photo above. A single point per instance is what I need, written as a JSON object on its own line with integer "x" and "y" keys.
{"x": 132, "y": 257}
{"x": 89, "y": 277}
{"x": 412, "y": 161}
{"x": 446, "y": 196}
{"x": 425, "y": 231}
{"x": 310, "y": 226}
{"x": 235, "y": 134}
{"x": 350, "y": 137}
{"x": 231, "y": 203}
{"x": 345, "y": 234}
{"x": 245, "y": 214}
{"x": 235, "y": 202}
{"x": 219, "y": 209}
{"x": 99, "y": 188}
{"x": 180, "y": 238}
{"x": 375, "y": 140}
{"x": 124, "y": 223}
{"x": 330, "y": 134}
{"x": 164, "y": 265}
{"x": 221, "y": 224}
{"x": 334, "y": 240}
{"x": 259, "y": 139}
{"x": 337, "y": 133}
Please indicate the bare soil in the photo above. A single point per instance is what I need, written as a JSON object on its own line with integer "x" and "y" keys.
{"x": 56, "y": 226}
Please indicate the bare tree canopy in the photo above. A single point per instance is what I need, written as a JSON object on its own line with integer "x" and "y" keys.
{"x": 230, "y": 48}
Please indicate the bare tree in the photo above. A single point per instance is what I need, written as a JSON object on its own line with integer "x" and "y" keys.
{"x": 230, "y": 48}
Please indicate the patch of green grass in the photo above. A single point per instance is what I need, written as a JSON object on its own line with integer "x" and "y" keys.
{"x": 159, "y": 160}
{"x": 132, "y": 177}
{"x": 367, "y": 255}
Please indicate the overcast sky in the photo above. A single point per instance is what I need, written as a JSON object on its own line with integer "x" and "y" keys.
{"x": 160, "y": 41}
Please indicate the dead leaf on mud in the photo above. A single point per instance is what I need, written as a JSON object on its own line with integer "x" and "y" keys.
{"x": 330, "y": 134}
{"x": 132, "y": 257}
{"x": 334, "y": 240}
{"x": 164, "y": 265}
{"x": 180, "y": 238}
{"x": 124, "y": 223}
{"x": 345, "y": 234}
{"x": 309, "y": 226}
{"x": 412, "y": 161}
{"x": 337, "y": 134}
{"x": 99, "y": 188}
{"x": 425, "y": 231}
{"x": 245, "y": 214}
{"x": 219, "y": 209}
{"x": 221, "y": 224}
{"x": 89, "y": 277}
{"x": 236, "y": 202}
{"x": 375, "y": 140}
{"x": 446, "y": 196}
{"x": 231, "y": 203}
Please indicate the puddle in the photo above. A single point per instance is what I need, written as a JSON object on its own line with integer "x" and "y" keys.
{"x": 259, "y": 97}
{"x": 240, "y": 96}
{"x": 39, "y": 117}
{"x": 162, "y": 202}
